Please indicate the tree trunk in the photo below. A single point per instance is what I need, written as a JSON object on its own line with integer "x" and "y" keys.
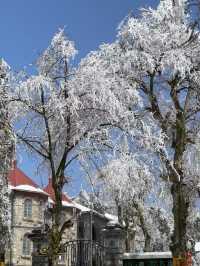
{"x": 180, "y": 213}
{"x": 54, "y": 245}
{"x": 143, "y": 224}
{"x": 127, "y": 242}
{"x": 55, "y": 235}
{"x": 147, "y": 243}
{"x": 179, "y": 189}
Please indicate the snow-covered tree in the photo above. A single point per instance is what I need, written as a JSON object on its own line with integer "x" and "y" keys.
{"x": 128, "y": 184}
{"x": 6, "y": 156}
{"x": 145, "y": 85}
{"x": 160, "y": 53}
{"x": 62, "y": 112}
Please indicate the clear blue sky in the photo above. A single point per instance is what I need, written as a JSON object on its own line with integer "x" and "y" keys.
{"x": 27, "y": 26}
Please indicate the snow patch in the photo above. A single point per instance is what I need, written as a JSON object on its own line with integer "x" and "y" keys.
{"x": 28, "y": 188}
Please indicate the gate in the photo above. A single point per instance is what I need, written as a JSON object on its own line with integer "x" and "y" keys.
{"x": 83, "y": 253}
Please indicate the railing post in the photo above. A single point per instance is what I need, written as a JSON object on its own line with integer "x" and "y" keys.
{"x": 114, "y": 236}
{"x": 40, "y": 245}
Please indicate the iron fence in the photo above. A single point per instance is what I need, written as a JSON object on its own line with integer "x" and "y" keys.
{"x": 82, "y": 253}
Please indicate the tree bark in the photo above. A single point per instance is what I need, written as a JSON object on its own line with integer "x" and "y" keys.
{"x": 55, "y": 235}
{"x": 127, "y": 242}
{"x": 147, "y": 236}
{"x": 180, "y": 213}
{"x": 179, "y": 189}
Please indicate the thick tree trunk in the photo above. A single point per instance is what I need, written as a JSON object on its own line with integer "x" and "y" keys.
{"x": 179, "y": 189}
{"x": 180, "y": 213}
{"x": 55, "y": 236}
{"x": 54, "y": 245}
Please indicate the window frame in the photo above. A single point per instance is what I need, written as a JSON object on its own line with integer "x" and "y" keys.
{"x": 41, "y": 210}
{"x": 26, "y": 246}
{"x": 28, "y": 208}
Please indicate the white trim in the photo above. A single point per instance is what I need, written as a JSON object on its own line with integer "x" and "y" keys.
{"x": 28, "y": 188}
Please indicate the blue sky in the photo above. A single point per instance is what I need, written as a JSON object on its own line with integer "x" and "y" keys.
{"x": 27, "y": 26}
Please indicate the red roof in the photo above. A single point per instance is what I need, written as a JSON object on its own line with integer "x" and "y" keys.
{"x": 49, "y": 189}
{"x": 16, "y": 177}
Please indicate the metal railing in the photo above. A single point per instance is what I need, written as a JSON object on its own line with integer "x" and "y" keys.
{"x": 83, "y": 253}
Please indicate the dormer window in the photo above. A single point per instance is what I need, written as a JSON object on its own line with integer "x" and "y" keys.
{"x": 28, "y": 208}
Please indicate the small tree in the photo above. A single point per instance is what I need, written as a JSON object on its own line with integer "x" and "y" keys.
{"x": 129, "y": 186}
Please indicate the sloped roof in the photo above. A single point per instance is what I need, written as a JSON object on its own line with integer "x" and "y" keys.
{"x": 49, "y": 189}
{"x": 16, "y": 177}
{"x": 18, "y": 180}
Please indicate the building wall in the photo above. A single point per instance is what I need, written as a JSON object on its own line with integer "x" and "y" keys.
{"x": 22, "y": 225}
{"x": 90, "y": 226}
{"x": 70, "y": 233}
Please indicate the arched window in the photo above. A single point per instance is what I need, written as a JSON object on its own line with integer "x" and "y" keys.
{"x": 28, "y": 208}
{"x": 26, "y": 248}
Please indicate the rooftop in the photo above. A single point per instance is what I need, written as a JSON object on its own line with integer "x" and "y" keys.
{"x": 19, "y": 181}
{"x": 16, "y": 177}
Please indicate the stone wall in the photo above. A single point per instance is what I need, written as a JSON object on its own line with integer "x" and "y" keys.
{"x": 22, "y": 225}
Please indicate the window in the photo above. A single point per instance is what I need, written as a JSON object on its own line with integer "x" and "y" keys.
{"x": 26, "y": 249}
{"x": 41, "y": 210}
{"x": 81, "y": 230}
{"x": 94, "y": 233}
{"x": 28, "y": 208}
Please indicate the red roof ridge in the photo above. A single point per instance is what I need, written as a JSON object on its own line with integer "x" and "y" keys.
{"x": 16, "y": 178}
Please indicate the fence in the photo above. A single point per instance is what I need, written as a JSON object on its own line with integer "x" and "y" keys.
{"x": 82, "y": 253}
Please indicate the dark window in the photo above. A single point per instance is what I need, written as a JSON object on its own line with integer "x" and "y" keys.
{"x": 94, "y": 233}
{"x": 81, "y": 230}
